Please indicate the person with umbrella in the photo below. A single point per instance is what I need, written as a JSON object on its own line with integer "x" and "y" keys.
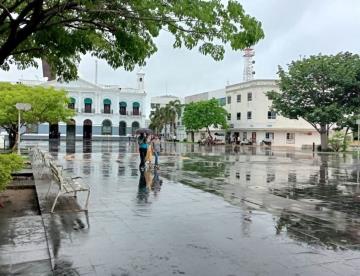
{"x": 143, "y": 146}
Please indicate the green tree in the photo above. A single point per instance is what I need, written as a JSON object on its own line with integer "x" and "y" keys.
{"x": 121, "y": 32}
{"x": 349, "y": 122}
{"x": 174, "y": 110}
{"x": 204, "y": 114}
{"x": 47, "y": 105}
{"x": 323, "y": 90}
{"x": 157, "y": 120}
{"x": 339, "y": 141}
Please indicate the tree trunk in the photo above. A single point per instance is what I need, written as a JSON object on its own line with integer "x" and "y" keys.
{"x": 192, "y": 136}
{"x": 208, "y": 130}
{"x": 324, "y": 137}
{"x": 12, "y": 139}
{"x": 346, "y": 132}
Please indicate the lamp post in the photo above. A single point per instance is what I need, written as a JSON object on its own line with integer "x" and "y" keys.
{"x": 21, "y": 107}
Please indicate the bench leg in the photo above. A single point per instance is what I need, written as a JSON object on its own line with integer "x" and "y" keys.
{"x": 75, "y": 194}
{"x": 56, "y": 198}
{"x": 87, "y": 200}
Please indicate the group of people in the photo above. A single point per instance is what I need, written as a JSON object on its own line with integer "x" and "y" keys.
{"x": 149, "y": 146}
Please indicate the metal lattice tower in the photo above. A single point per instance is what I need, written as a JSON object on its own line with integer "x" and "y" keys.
{"x": 249, "y": 72}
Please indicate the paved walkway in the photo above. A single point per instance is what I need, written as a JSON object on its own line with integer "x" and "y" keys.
{"x": 171, "y": 228}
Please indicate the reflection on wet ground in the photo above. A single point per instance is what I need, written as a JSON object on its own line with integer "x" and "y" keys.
{"x": 315, "y": 196}
{"x": 207, "y": 211}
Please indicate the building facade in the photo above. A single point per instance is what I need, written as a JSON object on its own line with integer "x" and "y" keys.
{"x": 102, "y": 111}
{"x": 250, "y": 117}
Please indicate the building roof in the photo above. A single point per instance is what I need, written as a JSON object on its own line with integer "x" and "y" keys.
{"x": 252, "y": 83}
{"x": 79, "y": 83}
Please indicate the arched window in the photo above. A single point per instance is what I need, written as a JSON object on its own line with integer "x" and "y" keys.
{"x": 107, "y": 106}
{"x": 122, "y": 128}
{"x": 122, "y": 108}
{"x": 71, "y": 104}
{"x": 106, "y": 128}
{"x": 88, "y": 103}
{"x": 136, "y": 108}
{"x": 134, "y": 127}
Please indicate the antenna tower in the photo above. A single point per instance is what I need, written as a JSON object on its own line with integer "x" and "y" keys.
{"x": 249, "y": 72}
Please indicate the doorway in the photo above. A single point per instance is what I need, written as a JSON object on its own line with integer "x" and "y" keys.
{"x": 87, "y": 129}
{"x": 70, "y": 129}
{"x": 54, "y": 131}
{"x": 253, "y": 137}
{"x": 122, "y": 128}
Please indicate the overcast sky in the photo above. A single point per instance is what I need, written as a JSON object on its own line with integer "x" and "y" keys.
{"x": 292, "y": 29}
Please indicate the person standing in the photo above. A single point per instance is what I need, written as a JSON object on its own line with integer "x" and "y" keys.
{"x": 156, "y": 145}
{"x": 149, "y": 153}
{"x": 143, "y": 146}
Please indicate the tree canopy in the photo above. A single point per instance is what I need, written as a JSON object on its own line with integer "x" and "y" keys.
{"x": 47, "y": 105}
{"x": 204, "y": 114}
{"x": 321, "y": 89}
{"x": 121, "y": 32}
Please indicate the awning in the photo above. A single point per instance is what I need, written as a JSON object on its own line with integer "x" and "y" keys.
{"x": 72, "y": 100}
{"x": 123, "y": 104}
{"x": 136, "y": 104}
{"x": 107, "y": 101}
{"x": 88, "y": 101}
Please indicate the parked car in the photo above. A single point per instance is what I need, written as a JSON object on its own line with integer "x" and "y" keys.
{"x": 219, "y": 138}
{"x": 246, "y": 142}
{"x": 265, "y": 142}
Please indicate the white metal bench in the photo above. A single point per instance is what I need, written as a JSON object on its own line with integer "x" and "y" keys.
{"x": 68, "y": 184}
{"x": 40, "y": 162}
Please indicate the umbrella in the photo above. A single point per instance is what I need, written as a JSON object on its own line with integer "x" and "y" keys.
{"x": 143, "y": 130}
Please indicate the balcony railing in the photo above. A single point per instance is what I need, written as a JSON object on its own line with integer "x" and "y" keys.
{"x": 107, "y": 111}
{"x": 88, "y": 111}
{"x": 130, "y": 113}
{"x": 126, "y": 113}
{"x": 137, "y": 113}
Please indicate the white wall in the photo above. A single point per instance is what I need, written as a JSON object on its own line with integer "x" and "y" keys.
{"x": 259, "y": 107}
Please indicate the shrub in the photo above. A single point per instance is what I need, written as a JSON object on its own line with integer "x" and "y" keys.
{"x": 185, "y": 140}
{"x": 9, "y": 163}
{"x": 339, "y": 141}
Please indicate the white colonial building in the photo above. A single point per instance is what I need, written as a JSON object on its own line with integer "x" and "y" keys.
{"x": 102, "y": 111}
{"x": 250, "y": 117}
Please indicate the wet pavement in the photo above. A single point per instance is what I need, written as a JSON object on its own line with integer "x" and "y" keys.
{"x": 207, "y": 211}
